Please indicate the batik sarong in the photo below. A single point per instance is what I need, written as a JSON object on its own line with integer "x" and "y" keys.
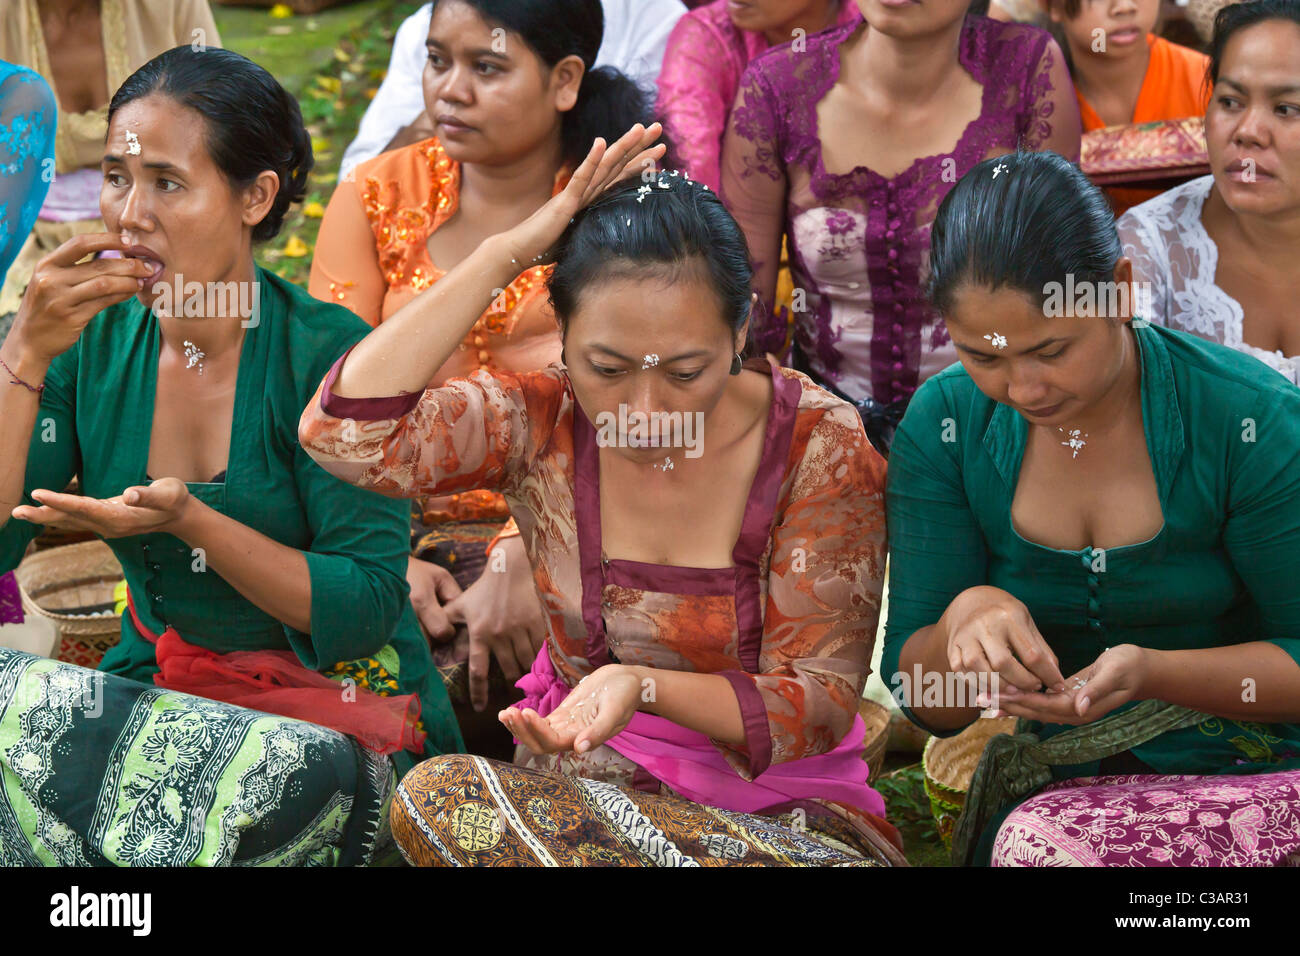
{"x": 1151, "y": 820}
{"x": 461, "y": 810}
{"x": 97, "y": 770}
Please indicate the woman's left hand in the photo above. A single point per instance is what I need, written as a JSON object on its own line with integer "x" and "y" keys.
{"x": 597, "y": 709}
{"x": 1112, "y": 680}
{"x": 141, "y": 509}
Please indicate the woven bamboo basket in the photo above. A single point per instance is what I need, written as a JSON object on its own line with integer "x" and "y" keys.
{"x": 949, "y": 764}
{"x": 876, "y": 718}
{"x": 72, "y": 586}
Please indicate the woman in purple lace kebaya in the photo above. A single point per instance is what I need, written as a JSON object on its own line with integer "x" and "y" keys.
{"x": 916, "y": 95}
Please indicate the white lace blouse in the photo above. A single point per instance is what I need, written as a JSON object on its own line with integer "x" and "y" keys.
{"x": 1172, "y": 251}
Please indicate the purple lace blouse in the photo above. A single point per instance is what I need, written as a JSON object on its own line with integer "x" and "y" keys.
{"x": 706, "y": 57}
{"x": 859, "y": 242}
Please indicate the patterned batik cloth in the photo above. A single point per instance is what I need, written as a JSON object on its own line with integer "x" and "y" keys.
{"x": 461, "y": 810}
{"x": 1152, "y": 820}
{"x": 100, "y": 770}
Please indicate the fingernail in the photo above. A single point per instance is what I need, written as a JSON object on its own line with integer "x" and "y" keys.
{"x": 583, "y": 746}
{"x": 1084, "y": 704}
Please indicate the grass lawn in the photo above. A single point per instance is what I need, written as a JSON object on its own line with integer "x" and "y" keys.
{"x": 332, "y": 62}
{"x": 907, "y": 807}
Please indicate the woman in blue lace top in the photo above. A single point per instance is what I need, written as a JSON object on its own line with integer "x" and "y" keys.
{"x": 27, "y": 121}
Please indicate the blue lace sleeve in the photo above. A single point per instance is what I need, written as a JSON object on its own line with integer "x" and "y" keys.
{"x": 28, "y": 115}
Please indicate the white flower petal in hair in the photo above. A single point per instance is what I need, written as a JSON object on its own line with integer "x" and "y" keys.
{"x": 999, "y": 168}
{"x": 997, "y": 340}
{"x": 643, "y": 192}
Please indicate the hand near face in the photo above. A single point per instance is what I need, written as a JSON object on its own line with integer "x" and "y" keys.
{"x": 65, "y": 294}
{"x": 532, "y": 239}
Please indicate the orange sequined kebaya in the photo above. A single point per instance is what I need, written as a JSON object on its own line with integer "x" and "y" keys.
{"x": 373, "y": 257}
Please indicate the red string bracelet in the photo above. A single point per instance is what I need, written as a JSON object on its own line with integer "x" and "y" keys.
{"x": 15, "y": 380}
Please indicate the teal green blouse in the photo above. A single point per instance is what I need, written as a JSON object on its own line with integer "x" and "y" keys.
{"x": 95, "y": 420}
{"x": 1223, "y": 433}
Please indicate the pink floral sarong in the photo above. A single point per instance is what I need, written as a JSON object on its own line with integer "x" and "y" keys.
{"x": 1152, "y": 820}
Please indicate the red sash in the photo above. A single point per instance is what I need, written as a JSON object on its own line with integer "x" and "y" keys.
{"x": 276, "y": 682}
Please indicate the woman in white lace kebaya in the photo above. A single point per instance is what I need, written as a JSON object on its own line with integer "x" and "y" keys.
{"x": 1220, "y": 252}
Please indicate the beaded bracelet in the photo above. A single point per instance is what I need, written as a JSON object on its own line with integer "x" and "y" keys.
{"x": 15, "y": 380}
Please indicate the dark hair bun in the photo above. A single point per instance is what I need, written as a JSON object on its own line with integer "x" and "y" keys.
{"x": 1022, "y": 220}
{"x": 663, "y": 224}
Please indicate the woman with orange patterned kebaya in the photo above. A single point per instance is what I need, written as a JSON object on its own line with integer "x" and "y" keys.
{"x": 512, "y": 106}
{"x": 712, "y": 592}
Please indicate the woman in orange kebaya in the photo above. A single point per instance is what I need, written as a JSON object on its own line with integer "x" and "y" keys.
{"x": 1123, "y": 73}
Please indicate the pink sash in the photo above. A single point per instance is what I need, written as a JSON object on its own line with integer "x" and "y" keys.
{"x": 687, "y": 760}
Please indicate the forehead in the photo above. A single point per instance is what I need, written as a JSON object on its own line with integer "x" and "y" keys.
{"x": 977, "y": 310}
{"x": 165, "y": 130}
{"x": 457, "y": 22}
{"x": 1266, "y": 53}
{"x": 673, "y": 309}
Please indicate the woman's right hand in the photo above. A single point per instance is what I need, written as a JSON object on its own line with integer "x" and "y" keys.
{"x": 991, "y": 632}
{"x": 63, "y": 296}
{"x": 530, "y": 242}
{"x": 432, "y": 588}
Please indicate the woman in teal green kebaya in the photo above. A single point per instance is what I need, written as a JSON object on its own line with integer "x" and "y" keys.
{"x": 254, "y": 576}
{"x": 1096, "y": 522}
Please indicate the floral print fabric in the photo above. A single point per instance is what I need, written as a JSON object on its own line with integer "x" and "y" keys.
{"x": 706, "y": 56}
{"x": 1150, "y": 820}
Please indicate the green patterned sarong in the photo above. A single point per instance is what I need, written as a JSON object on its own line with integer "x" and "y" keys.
{"x": 98, "y": 770}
